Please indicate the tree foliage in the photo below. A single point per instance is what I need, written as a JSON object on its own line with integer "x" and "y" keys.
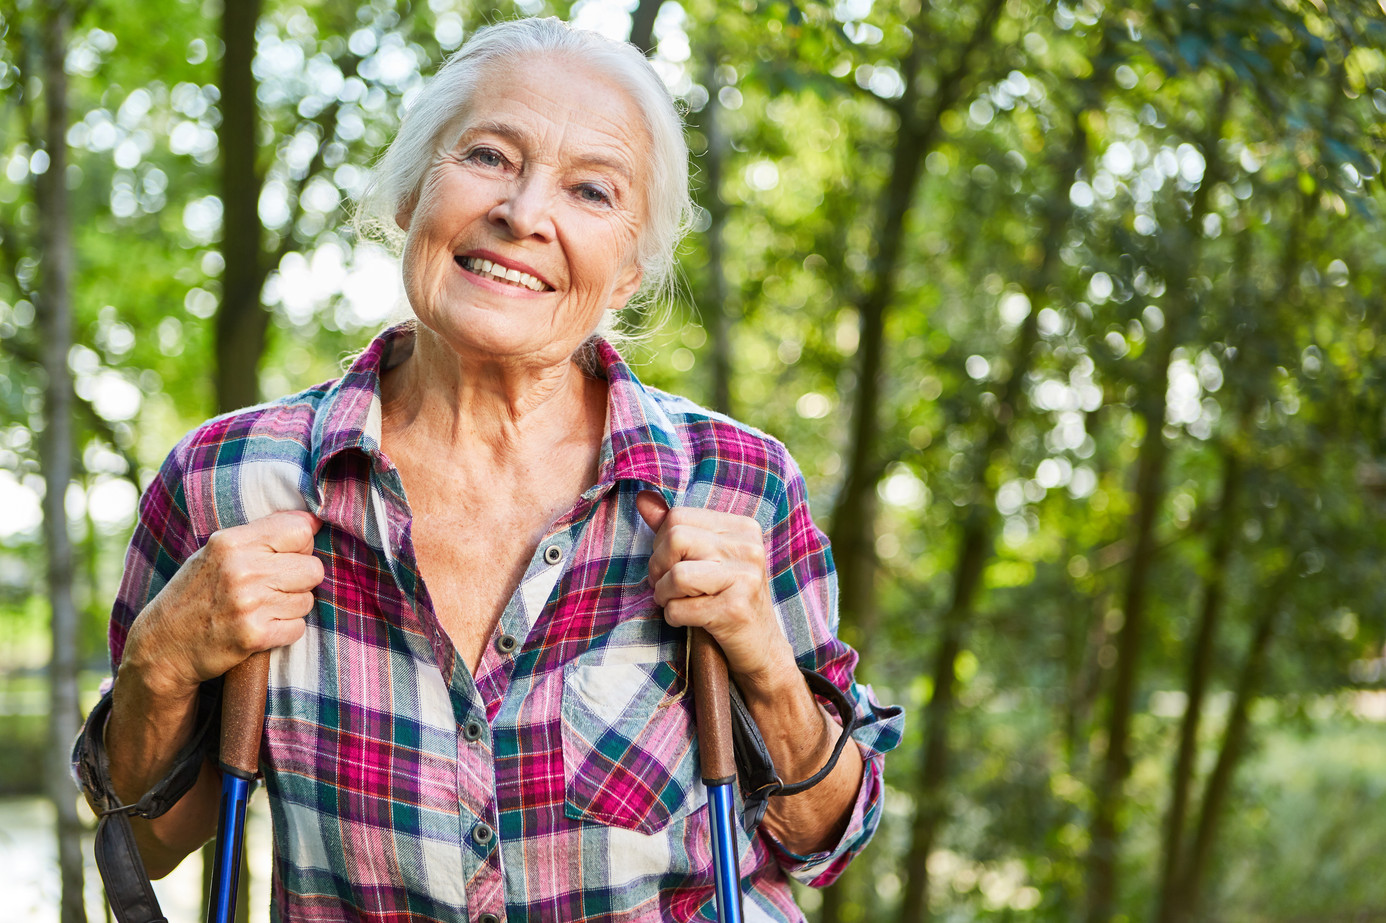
{"x": 1070, "y": 313}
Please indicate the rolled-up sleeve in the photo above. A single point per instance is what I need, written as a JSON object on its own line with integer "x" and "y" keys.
{"x": 162, "y": 541}
{"x": 804, "y": 584}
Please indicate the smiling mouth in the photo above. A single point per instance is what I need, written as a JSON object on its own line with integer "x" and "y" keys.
{"x": 499, "y": 273}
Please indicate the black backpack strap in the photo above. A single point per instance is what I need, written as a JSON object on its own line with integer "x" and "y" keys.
{"x": 756, "y": 770}
{"x": 118, "y": 859}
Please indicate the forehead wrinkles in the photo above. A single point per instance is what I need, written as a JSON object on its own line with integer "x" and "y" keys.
{"x": 580, "y": 118}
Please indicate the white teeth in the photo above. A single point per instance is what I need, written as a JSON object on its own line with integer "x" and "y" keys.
{"x": 500, "y": 273}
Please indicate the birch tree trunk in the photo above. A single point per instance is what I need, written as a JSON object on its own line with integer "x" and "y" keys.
{"x": 56, "y": 452}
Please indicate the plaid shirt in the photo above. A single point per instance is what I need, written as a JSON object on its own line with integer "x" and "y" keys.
{"x": 559, "y": 783}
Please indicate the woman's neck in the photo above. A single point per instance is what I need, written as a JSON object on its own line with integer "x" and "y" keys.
{"x": 488, "y": 414}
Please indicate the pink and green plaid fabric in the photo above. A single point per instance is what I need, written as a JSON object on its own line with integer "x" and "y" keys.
{"x": 559, "y": 783}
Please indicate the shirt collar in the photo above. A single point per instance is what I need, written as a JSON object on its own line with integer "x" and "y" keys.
{"x": 641, "y": 442}
{"x": 349, "y": 416}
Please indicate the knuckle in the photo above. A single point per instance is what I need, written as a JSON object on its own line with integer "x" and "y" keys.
{"x": 678, "y": 574}
{"x": 247, "y": 636}
{"x": 235, "y": 574}
{"x": 750, "y": 542}
{"x": 242, "y": 599}
{"x": 219, "y": 543}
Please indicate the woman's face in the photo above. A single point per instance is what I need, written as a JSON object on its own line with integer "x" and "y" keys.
{"x": 524, "y": 231}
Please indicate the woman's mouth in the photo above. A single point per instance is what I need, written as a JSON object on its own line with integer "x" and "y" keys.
{"x": 499, "y": 273}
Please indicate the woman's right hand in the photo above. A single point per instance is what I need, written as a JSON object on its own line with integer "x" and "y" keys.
{"x": 247, "y": 590}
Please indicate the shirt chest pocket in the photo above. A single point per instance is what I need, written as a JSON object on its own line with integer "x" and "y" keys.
{"x": 628, "y": 754}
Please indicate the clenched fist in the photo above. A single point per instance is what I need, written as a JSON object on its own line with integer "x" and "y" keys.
{"x": 247, "y": 590}
{"x": 708, "y": 569}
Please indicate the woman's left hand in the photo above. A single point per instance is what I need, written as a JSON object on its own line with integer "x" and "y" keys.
{"x": 708, "y": 569}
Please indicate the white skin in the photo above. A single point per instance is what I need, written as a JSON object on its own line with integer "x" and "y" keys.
{"x": 495, "y": 431}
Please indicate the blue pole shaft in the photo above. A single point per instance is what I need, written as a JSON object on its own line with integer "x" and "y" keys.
{"x": 226, "y": 872}
{"x": 722, "y": 808}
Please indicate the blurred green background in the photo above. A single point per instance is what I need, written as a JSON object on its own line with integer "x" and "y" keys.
{"x": 1070, "y": 312}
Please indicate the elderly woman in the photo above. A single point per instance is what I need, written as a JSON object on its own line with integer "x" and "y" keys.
{"x": 475, "y": 555}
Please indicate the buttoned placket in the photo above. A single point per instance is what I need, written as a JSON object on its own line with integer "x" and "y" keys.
{"x": 473, "y": 697}
{"x": 474, "y": 776}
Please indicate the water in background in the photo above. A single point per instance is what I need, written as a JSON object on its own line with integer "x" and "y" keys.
{"x": 29, "y": 867}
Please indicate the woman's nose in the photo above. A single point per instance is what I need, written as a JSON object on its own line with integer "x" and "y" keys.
{"x": 526, "y": 209}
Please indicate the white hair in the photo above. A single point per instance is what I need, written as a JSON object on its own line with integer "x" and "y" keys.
{"x": 435, "y": 117}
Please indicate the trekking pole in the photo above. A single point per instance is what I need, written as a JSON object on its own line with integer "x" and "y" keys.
{"x": 242, "y": 723}
{"x": 712, "y": 702}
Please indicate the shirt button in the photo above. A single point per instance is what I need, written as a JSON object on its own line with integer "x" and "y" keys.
{"x": 553, "y": 554}
{"x": 472, "y": 730}
{"x": 507, "y": 643}
{"x": 482, "y": 834}
{"x": 488, "y": 918}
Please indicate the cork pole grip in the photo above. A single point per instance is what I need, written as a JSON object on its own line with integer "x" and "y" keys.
{"x": 243, "y": 714}
{"x": 712, "y": 700}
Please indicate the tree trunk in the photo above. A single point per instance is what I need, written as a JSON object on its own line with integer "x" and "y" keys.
{"x": 56, "y": 452}
{"x": 975, "y": 547}
{"x": 854, "y": 516}
{"x": 1180, "y": 879}
{"x": 642, "y": 25}
{"x": 241, "y": 322}
{"x": 1200, "y": 669}
{"x": 717, "y": 310}
{"x": 1150, "y": 492}
{"x": 1116, "y": 761}
{"x": 1230, "y": 754}
{"x": 853, "y": 521}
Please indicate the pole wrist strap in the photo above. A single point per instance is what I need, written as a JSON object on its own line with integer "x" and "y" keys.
{"x": 128, "y": 890}
{"x": 754, "y": 767}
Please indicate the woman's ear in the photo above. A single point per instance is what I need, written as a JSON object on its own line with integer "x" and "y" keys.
{"x": 626, "y": 287}
{"x": 405, "y": 213}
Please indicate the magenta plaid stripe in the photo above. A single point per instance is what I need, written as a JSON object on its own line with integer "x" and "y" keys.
{"x": 559, "y": 783}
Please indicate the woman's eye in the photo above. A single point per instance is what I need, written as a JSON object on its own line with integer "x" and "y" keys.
{"x": 594, "y": 194}
{"x": 486, "y": 157}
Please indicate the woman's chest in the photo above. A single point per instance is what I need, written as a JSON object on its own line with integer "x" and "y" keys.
{"x": 471, "y": 564}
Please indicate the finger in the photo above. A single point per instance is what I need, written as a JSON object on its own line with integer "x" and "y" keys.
{"x": 683, "y": 542}
{"x": 693, "y": 578}
{"x": 289, "y": 531}
{"x": 287, "y": 607}
{"x": 295, "y": 573}
{"x": 693, "y": 612}
{"x": 714, "y": 521}
{"x": 652, "y": 509}
{"x": 294, "y": 607}
{"x": 284, "y": 631}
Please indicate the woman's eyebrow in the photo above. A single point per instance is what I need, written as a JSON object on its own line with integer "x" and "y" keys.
{"x": 604, "y": 162}
{"x": 504, "y": 130}
{"x": 581, "y": 158}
